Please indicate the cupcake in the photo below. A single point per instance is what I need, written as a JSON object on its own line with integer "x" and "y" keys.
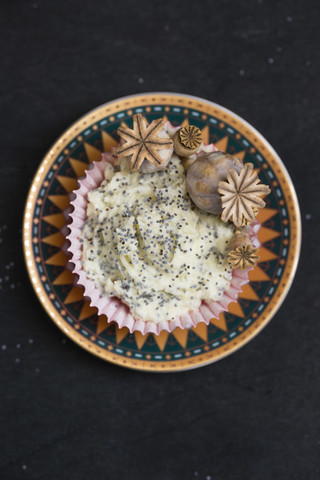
{"x": 161, "y": 235}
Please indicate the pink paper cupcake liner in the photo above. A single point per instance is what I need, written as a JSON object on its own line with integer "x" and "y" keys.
{"x": 113, "y": 307}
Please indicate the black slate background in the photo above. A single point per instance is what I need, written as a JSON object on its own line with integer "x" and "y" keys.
{"x": 68, "y": 415}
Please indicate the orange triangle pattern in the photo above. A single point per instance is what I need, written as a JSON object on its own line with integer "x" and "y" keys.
{"x": 121, "y": 333}
{"x": 65, "y": 278}
{"x": 57, "y": 239}
{"x": 140, "y": 339}
{"x": 61, "y": 201}
{"x": 205, "y": 134}
{"x": 161, "y": 339}
{"x": 74, "y": 295}
{"x": 201, "y": 330}
{"x": 185, "y": 122}
{"x": 266, "y": 234}
{"x": 241, "y": 155}
{"x": 78, "y": 167}
{"x": 266, "y": 255}
{"x": 108, "y": 142}
{"x": 266, "y": 213}
{"x": 86, "y": 311}
{"x": 248, "y": 293}
{"x": 258, "y": 275}
{"x": 222, "y": 144}
{"x": 93, "y": 153}
{"x": 181, "y": 336}
{"x": 57, "y": 220}
{"x": 235, "y": 309}
{"x": 220, "y": 322}
{"x": 102, "y": 324}
{"x": 58, "y": 259}
{"x": 68, "y": 183}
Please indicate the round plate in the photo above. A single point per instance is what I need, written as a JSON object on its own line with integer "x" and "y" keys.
{"x": 56, "y": 177}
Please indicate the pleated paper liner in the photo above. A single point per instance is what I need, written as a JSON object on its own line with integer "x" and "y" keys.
{"x": 114, "y": 308}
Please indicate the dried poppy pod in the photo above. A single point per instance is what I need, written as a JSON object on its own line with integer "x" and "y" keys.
{"x": 187, "y": 162}
{"x": 145, "y": 144}
{"x": 242, "y": 253}
{"x": 240, "y": 194}
{"x": 243, "y": 257}
{"x": 240, "y": 238}
{"x": 165, "y": 154}
{"x": 203, "y": 178}
{"x": 187, "y": 140}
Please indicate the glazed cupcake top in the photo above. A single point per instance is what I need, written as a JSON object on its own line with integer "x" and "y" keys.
{"x": 146, "y": 242}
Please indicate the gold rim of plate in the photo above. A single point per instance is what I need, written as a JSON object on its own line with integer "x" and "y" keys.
{"x": 257, "y": 140}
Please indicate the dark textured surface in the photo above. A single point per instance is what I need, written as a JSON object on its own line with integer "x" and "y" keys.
{"x": 68, "y": 415}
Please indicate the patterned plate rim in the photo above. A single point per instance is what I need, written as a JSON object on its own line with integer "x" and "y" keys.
{"x": 147, "y": 99}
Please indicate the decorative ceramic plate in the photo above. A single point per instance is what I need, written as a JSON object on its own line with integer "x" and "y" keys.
{"x": 57, "y": 176}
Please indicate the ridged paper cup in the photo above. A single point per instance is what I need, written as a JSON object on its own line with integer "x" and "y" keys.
{"x": 113, "y": 307}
